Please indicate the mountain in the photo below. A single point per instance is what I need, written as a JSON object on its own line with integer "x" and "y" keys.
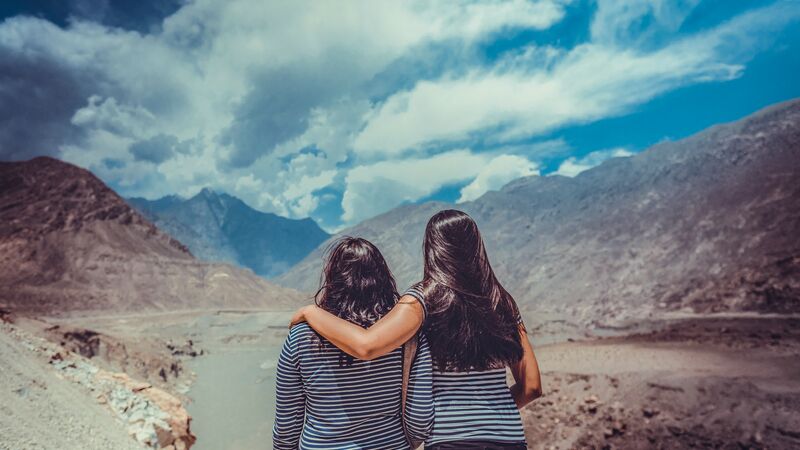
{"x": 709, "y": 223}
{"x": 219, "y": 227}
{"x": 69, "y": 244}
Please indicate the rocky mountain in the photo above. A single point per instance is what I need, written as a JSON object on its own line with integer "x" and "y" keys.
{"x": 708, "y": 223}
{"x": 70, "y": 244}
{"x": 219, "y": 227}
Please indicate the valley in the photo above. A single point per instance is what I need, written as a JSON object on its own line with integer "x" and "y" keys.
{"x": 660, "y": 292}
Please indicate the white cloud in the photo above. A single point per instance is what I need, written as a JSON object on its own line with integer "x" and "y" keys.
{"x": 612, "y": 21}
{"x": 535, "y": 92}
{"x": 213, "y": 66}
{"x": 278, "y": 99}
{"x": 108, "y": 114}
{"x": 497, "y": 173}
{"x": 473, "y": 20}
{"x": 572, "y": 166}
{"x": 376, "y": 188}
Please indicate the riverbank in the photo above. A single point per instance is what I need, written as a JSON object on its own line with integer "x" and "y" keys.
{"x": 694, "y": 382}
{"x": 711, "y": 381}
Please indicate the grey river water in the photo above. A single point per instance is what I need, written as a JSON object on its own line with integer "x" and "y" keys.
{"x": 233, "y": 395}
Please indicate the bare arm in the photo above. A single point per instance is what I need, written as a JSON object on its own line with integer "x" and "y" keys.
{"x": 387, "y": 334}
{"x": 528, "y": 381}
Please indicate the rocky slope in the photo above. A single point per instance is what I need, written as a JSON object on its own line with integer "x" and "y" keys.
{"x": 69, "y": 244}
{"x": 59, "y": 399}
{"x": 219, "y": 227}
{"x": 708, "y": 223}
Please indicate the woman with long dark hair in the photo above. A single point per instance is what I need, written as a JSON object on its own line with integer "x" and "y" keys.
{"x": 475, "y": 332}
{"x": 326, "y": 399}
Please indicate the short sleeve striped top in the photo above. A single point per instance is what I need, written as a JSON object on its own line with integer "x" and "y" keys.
{"x": 321, "y": 404}
{"x": 472, "y": 405}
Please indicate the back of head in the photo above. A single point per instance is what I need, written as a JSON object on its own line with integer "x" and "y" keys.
{"x": 356, "y": 282}
{"x": 472, "y": 323}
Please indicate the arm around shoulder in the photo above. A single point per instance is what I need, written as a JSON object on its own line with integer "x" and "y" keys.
{"x": 387, "y": 334}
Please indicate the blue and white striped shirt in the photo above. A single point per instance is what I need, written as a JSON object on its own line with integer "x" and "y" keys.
{"x": 473, "y": 406}
{"x": 324, "y": 405}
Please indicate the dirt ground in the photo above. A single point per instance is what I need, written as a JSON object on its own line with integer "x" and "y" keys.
{"x": 711, "y": 382}
{"x": 707, "y": 383}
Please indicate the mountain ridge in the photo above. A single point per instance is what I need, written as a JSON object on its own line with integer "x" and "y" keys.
{"x": 71, "y": 245}
{"x": 220, "y": 227}
{"x": 632, "y": 236}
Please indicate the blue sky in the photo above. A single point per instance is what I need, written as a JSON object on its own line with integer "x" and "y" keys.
{"x": 343, "y": 111}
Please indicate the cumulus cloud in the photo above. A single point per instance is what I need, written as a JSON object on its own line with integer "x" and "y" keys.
{"x": 572, "y": 166}
{"x": 376, "y": 188}
{"x": 157, "y": 149}
{"x": 496, "y": 174}
{"x": 167, "y": 100}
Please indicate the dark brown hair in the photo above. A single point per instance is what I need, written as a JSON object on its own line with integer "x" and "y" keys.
{"x": 473, "y": 320}
{"x": 356, "y": 283}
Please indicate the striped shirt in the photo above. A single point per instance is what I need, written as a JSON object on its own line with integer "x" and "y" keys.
{"x": 472, "y": 406}
{"x": 324, "y": 405}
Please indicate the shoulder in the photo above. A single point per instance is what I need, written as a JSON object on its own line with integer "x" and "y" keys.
{"x": 299, "y": 333}
{"x": 418, "y": 296}
{"x": 416, "y": 290}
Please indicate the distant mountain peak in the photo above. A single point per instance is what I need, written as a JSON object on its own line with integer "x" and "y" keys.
{"x": 207, "y": 192}
{"x": 68, "y": 243}
{"x": 220, "y": 227}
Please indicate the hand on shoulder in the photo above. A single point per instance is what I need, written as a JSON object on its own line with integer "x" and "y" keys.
{"x": 300, "y": 315}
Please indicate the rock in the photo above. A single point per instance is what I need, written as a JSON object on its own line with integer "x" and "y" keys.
{"x": 616, "y": 429}
{"x": 158, "y": 410}
{"x": 165, "y": 437}
{"x": 674, "y": 430}
{"x": 650, "y": 412}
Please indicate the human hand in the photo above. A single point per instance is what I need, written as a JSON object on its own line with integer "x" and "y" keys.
{"x": 299, "y": 316}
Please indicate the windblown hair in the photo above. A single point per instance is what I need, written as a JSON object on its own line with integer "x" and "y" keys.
{"x": 473, "y": 320}
{"x": 356, "y": 283}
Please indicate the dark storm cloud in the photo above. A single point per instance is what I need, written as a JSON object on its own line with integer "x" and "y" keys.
{"x": 277, "y": 110}
{"x": 142, "y": 16}
{"x": 157, "y": 149}
{"x": 111, "y": 163}
{"x": 38, "y": 97}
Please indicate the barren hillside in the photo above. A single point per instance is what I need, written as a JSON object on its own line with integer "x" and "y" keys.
{"x": 70, "y": 244}
{"x": 708, "y": 223}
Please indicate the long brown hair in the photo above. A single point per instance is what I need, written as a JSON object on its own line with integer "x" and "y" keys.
{"x": 473, "y": 320}
{"x": 356, "y": 283}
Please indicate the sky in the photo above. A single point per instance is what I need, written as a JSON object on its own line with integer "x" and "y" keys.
{"x": 340, "y": 111}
